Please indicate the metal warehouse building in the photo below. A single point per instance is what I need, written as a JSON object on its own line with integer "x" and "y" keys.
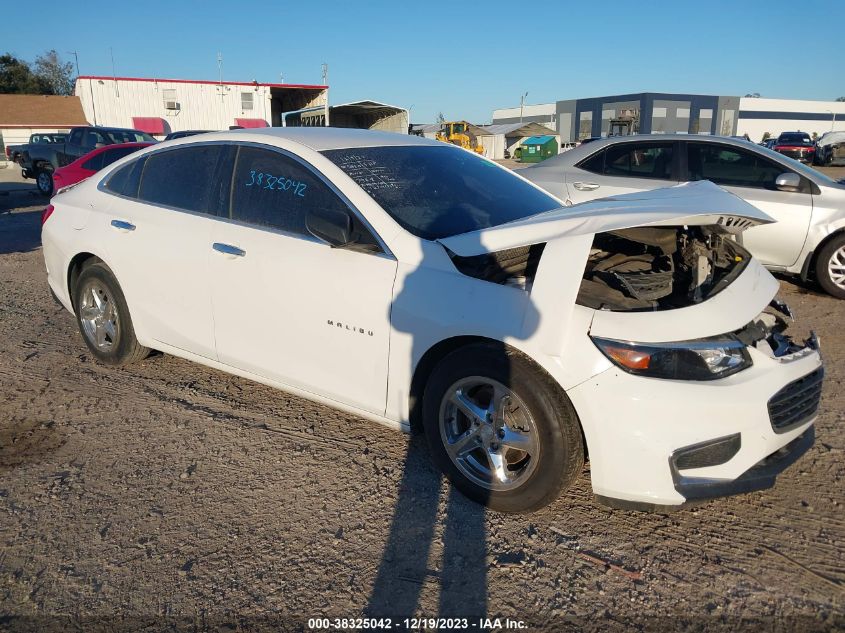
{"x": 161, "y": 106}
{"x": 671, "y": 113}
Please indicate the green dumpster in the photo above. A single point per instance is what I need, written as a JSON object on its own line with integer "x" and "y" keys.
{"x": 538, "y": 148}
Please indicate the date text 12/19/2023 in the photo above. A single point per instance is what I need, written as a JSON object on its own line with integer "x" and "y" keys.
{"x": 416, "y": 624}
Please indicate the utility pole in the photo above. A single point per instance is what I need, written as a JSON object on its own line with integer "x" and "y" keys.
{"x": 114, "y": 73}
{"x": 522, "y": 106}
{"x": 76, "y": 57}
{"x": 326, "y": 84}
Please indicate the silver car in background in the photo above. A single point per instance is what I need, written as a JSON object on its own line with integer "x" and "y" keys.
{"x": 808, "y": 237}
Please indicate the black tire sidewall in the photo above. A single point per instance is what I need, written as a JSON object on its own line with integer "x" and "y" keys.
{"x": 821, "y": 267}
{"x": 49, "y": 174}
{"x": 126, "y": 342}
{"x": 561, "y": 451}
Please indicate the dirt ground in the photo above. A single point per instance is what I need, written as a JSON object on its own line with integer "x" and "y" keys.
{"x": 168, "y": 496}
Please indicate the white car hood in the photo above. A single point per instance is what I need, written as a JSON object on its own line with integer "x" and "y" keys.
{"x": 692, "y": 203}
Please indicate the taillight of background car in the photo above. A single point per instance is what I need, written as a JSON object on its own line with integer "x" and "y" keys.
{"x": 46, "y": 213}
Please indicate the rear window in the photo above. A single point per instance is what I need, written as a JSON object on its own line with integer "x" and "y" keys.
{"x": 435, "y": 192}
{"x": 794, "y": 138}
{"x": 125, "y": 181}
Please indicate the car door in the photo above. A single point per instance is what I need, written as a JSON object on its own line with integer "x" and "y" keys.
{"x": 286, "y": 305}
{"x": 158, "y": 233}
{"x": 751, "y": 176}
{"x": 624, "y": 167}
{"x": 72, "y": 148}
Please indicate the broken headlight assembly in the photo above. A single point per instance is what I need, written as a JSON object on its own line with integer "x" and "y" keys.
{"x": 700, "y": 359}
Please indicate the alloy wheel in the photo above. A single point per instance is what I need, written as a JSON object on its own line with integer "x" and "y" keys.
{"x": 836, "y": 267}
{"x": 99, "y": 318}
{"x": 489, "y": 433}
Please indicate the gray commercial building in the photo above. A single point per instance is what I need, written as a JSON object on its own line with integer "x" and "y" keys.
{"x": 646, "y": 113}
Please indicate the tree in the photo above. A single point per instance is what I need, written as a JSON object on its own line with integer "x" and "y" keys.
{"x": 50, "y": 76}
{"x": 766, "y": 136}
{"x": 841, "y": 99}
{"x": 55, "y": 73}
{"x": 440, "y": 117}
{"x": 16, "y": 77}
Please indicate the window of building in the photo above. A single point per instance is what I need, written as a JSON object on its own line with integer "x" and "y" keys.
{"x": 246, "y": 100}
{"x": 171, "y": 102}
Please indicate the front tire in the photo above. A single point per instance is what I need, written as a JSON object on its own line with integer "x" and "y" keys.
{"x": 500, "y": 429}
{"x": 103, "y": 317}
{"x": 830, "y": 267}
{"x": 44, "y": 181}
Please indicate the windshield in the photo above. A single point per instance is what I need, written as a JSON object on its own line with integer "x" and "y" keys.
{"x": 435, "y": 192}
{"x": 794, "y": 138}
{"x": 130, "y": 136}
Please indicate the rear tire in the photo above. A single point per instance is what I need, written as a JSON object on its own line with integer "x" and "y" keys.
{"x": 830, "y": 267}
{"x": 535, "y": 415}
{"x": 44, "y": 181}
{"x": 103, "y": 317}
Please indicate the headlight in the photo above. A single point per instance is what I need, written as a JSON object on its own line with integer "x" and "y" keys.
{"x": 701, "y": 359}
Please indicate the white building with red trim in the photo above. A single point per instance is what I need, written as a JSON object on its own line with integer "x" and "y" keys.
{"x": 160, "y": 106}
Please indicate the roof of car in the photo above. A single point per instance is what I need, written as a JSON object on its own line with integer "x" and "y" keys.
{"x": 323, "y": 138}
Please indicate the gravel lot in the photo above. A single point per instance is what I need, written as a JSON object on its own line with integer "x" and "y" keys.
{"x": 168, "y": 496}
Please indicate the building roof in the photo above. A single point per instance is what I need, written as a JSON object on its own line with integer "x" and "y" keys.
{"x": 527, "y": 128}
{"x": 368, "y": 106}
{"x": 201, "y": 81}
{"x": 40, "y": 111}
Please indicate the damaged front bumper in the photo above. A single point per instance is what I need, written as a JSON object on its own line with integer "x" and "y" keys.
{"x": 660, "y": 445}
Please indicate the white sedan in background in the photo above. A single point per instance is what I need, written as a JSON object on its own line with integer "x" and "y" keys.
{"x": 413, "y": 283}
{"x": 808, "y": 238}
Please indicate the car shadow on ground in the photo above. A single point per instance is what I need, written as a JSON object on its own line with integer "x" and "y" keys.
{"x": 405, "y": 568}
{"x": 20, "y": 232}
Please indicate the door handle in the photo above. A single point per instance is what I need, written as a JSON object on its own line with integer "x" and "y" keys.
{"x": 586, "y": 186}
{"x": 122, "y": 225}
{"x": 228, "y": 249}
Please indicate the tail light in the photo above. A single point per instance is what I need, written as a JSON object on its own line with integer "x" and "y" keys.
{"x": 46, "y": 213}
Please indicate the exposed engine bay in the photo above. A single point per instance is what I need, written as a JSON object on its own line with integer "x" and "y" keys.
{"x": 659, "y": 268}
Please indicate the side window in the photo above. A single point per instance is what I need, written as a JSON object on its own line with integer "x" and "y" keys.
{"x": 112, "y": 155}
{"x": 95, "y": 163}
{"x": 270, "y": 189}
{"x": 640, "y": 160}
{"x": 725, "y": 165}
{"x": 75, "y": 137}
{"x": 594, "y": 163}
{"x": 125, "y": 180}
{"x": 182, "y": 178}
{"x": 93, "y": 139}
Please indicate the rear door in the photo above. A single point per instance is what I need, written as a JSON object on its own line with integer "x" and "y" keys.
{"x": 624, "y": 167}
{"x": 751, "y": 176}
{"x": 286, "y": 305}
{"x": 157, "y": 231}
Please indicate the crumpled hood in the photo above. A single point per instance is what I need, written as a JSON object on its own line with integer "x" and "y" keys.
{"x": 692, "y": 203}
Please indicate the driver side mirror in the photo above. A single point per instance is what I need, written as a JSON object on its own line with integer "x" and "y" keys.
{"x": 788, "y": 181}
{"x": 330, "y": 225}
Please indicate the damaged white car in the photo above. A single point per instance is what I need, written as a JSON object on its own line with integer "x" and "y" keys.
{"x": 416, "y": 284}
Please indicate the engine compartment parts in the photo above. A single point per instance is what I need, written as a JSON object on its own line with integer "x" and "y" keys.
{"x": 659, "y": 268}
{"x": 512, "y": 267}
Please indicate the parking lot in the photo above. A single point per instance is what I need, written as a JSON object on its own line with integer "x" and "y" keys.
{"x": 183, "y": 498}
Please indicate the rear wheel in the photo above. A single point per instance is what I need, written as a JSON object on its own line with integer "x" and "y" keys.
{"x": 44, "y": 181}
{"x": 103, "y": 317}
{"x": 500, "y": 429}
{"x": 830, "y": 267}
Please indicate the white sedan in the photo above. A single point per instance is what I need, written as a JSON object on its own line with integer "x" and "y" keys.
{"x": 808, "y": 237}
{"x": 416, "y": 284}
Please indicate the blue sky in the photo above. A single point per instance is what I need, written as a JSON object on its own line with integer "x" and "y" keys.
{"x": 461, "y": 58}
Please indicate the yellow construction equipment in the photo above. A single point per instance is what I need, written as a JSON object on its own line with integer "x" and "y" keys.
{"x": 457, "y": 133}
